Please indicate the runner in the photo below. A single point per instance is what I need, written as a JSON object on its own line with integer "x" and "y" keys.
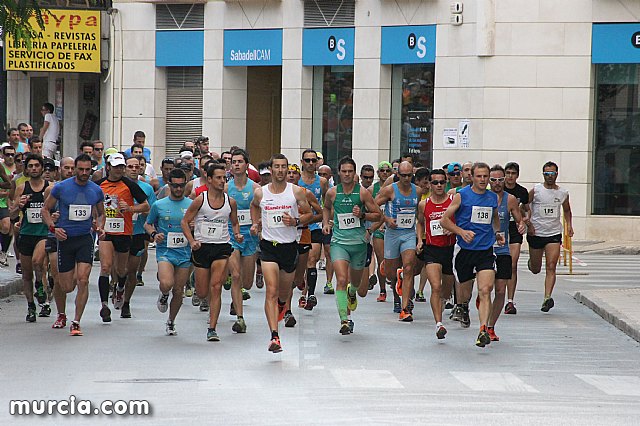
{"x": 377, "y": 229}
{"x": 120, "y": 194}
{"x": 172, "y": 248}
{"x": 325, "y": 259}
{"x": 7, "y": 192}
{"x": 210, "y": 248}
{"x": 476, "y": 227}
{"x": 512, "y": 171}
{"x": 77, "y": 198}
{"x": 29, "y": 200}
{"x": 348, "y": 206}
{"x": 545, "y": 228}
{"x": 242, "y": 262}
{"x": 435, "y": 246}
{"x": 370, "y": 279}
{"x": 421, "y": 177}
{"x": 279, "y": 207}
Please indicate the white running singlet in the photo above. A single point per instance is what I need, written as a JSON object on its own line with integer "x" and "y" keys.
{"x": 212, "y": 225}
{"x": 273, "y": 206}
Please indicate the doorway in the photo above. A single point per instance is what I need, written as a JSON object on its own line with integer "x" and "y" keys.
{"x": 264, "y": 107}
{"x": 39, "y": 96}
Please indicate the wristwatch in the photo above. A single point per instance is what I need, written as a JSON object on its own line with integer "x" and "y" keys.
{"x": 297, "y": 221}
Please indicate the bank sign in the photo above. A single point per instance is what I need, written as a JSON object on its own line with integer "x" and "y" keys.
{"x": 250, "y": 48}
{"x": 408, "y": 45}
{"x": 328, "y": 46}
{"x": 69, "y": 42}
{"x": 615, "y": 43}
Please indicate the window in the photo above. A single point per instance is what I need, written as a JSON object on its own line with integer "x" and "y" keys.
{"x": 616, "y": 153}
{"x": 184, "y": 106}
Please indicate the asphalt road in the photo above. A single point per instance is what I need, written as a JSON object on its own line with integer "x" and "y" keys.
{"x": 565, "y": 367}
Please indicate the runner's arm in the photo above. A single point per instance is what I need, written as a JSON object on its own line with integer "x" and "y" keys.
{"x": 304, "y": 210}
{"x": 189, "y": 216}
{"x": 327, "y": 211}
{"x": 14, "y": 210}
{"x": 568, "y": 216}
{"x": 373, "y": 211}
{"x": 49, "y": 204}
{"x": 313, "y": 202}
{"x": 514, "y": 209}
{"x": 420, "y": 227}
{"x": 6, "y": 180}
{"x": 446, "y": 220}
{"x": 234, "y": 217}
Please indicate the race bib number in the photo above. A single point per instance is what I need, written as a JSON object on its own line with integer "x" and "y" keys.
{"x": 34, "y": 215}
{"x": 79, "y": 212}
{"x": 405, "y": 220}
{"x": 481, "y": 215}
{"x": 244, "y": 217}
{"x": 436, "y": 228}
{"x": 114, "y": 225}
{"x": 176, "y": 240}
{"x": 211, "y": 229}
{"x": 275, "y": 219}
{"x": 347, "y": 221}
{"x": 548, "y": 210}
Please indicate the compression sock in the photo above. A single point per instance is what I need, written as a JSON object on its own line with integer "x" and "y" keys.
{"x": 103, "y": 288}
{"x": 312, "y": 278}
{"x": 341, "y": 301}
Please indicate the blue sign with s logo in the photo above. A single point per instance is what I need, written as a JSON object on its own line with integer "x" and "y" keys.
{"x": 413, "y": 44}
{"x": 328, "y": 46}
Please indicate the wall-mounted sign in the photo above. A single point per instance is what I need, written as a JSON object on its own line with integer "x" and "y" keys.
{"x": 69, "y": 42}
{"x": 328, "y": 46}
{"x": 615, "y": 43}
{"x": 250, "y": 48}
{"x": 408, "y": 45}
{"x": 180, "y": 48}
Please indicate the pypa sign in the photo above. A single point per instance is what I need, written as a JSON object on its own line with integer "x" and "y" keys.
{"x": 328, "y": 46}
{"x": 413, "y": 44}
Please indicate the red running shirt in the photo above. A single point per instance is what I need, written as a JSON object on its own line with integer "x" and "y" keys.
{"x": 434, "y": 232}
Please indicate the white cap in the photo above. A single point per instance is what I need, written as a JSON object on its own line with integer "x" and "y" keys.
{"x": 186, "y": 154}
{"x": 265, "y": 171}
{"x": 117, "y": 160}
{"x": 5, "y": 144}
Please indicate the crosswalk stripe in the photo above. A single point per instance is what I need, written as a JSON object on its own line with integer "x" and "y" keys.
{"x": 613, "y": 385}
{"x": 366, "y": 379}
{"x": 492, "y": 382}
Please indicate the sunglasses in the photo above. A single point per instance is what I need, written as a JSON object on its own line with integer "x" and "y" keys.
{"x": 177, "y": 185}
{"x": 497, "y": 179}
{"x": 98, "y": 149}
{"x": 131, "y": 166}
{"x": 549, "y": 173}
{"x": 405, "y": 174}
{"x": 310, "y": 160}
{"x": 367, "y": 177}
{"x": 454, "y": 173}
{"x": 438, "y": 182}
{"x": 9, "y": 155}
{"x": 385, "y": 170}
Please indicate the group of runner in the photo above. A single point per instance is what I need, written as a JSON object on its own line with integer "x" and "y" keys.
{"x": 213, "y": 228}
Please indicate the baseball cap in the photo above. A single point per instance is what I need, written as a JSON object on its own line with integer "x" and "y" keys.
{"x": 186, "y": 154}
{"x": 384, "y": 164}
{"x": 185, "y": 166}
{"x": 451, "y": 167}
{"x": 109, "y": 151}
{"x": 49, "y": 164}
{"x": 265, "y": 171}
{"x": 116, "y": 160}
{"x": 319, "y": 155}
{"x": 294, "y": 167}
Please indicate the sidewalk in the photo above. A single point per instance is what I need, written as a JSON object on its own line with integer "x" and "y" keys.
{"x": 10, "y": 283}
{"x": 617, "y": 306}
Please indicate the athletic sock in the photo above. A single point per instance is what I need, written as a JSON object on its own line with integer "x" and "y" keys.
{"x": 103, "y": 288}
{"x": 510, "y": 301}
{"x": 341, "y": 301}
{"x": 31, "y": 305}
{"x": 353, "y": 290}
{"x": 121, "y": 282}
{"x": 5, "y": 241}
{"x": 274, "y": 334}
{"x": 312, "y": 278}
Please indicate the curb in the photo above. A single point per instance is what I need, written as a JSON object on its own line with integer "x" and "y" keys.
{"x": 10, "y": 284}
{"x": 609, "y": 314}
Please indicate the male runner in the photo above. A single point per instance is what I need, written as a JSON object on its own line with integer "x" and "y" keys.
{"x": 348, "y": 205}
{"x": 377, "y": 229}
{"x": 325, "y": 259}
{"x": 77, "y": 198}
{"x": 120, "y": 195}
{"x": 279, "y": 207}
{"x": 512, "y": 172}
{"x": 318, "y": 186}
{"x": 545, "y": 228}
{"x": 7, "y": 193}
{"x": 173, "y": 252}
{"x": 477, "y": 227}
{"x": 210, "y": 248}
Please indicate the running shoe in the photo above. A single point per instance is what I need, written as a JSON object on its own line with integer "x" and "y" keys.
{"x": 195, "y": 300}
{"x": 61, "y": 321}
{"x": 382, "y": 297}
{"x": 45, "y": 311}
{"x": 125, "y": 312}
{"x": 281, "y": 311}
{"x": 483, "y": 338}
{"x": 420, "y": 297}
{"x": 140, "y": 282}
{"x": 352, "y": 301}
{"x": 9, "y": 254}
{"x": 399, "y": 281}
{"x": 105, "y": 313}
{"x": 322, "y": 264}
{"x": 289, "y": 319}
{"x": 18, "y": 268}
{"x": 547, "y": 304}
{"x": 328, "y": 288}
{"x": 31, "y": 315}
{"x": 311, "y": 303}
{"x": 351, "y": 326}
{"x": 344, "y": 328}
{"x": 245, "y": 294}
{"x": 227, "y": 283}
{"x": 274, "y": 345}
{"x": 302, "y": 302}
{"x": 232, "y": 309}
{"x": 492, "y": 334}
{"x": 204, "y": 305}
{"x": 449, "y": 304}
{"x": 3, "y": 259}
{"x": 171, "y": 328}
{"x": 212, "y": 336}
{"x": 239, "y": 326}
{"x": 465, "y": 320}
{"x": 397, "y": 307}
{"x": 259, "y": 280}
{"x": 188, "y": 292}
{"x": 75, "y": 329}
{"x": 441, "y": 332}
{"x": 510, "y": 308}
{"x": 405, "y": 316}
{"x": 40, "y": 293}
{"x": 456, "y": 313}
{"x": 118, "y": 298}
{"x": 373, "y": 280}
{"x": 163, "y": 302}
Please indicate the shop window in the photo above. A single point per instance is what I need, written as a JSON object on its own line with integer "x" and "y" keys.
{"x": 616, "y": 177}
{"x": 333, "y": 112}
{"x": 412, "y": 112}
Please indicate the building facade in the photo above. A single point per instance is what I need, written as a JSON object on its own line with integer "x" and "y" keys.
{"x": 521, "y": 80}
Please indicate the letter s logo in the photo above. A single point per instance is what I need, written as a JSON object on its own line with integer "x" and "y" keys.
{"x": 422, "y": 49}
{"x": 341, "y": 50}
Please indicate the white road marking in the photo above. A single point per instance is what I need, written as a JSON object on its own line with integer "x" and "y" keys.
{"x": 492, "y": 382}
{"x": 310, "y": 344}
{"x": 366, "y": 379}
{"x": 614, "y": 385}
